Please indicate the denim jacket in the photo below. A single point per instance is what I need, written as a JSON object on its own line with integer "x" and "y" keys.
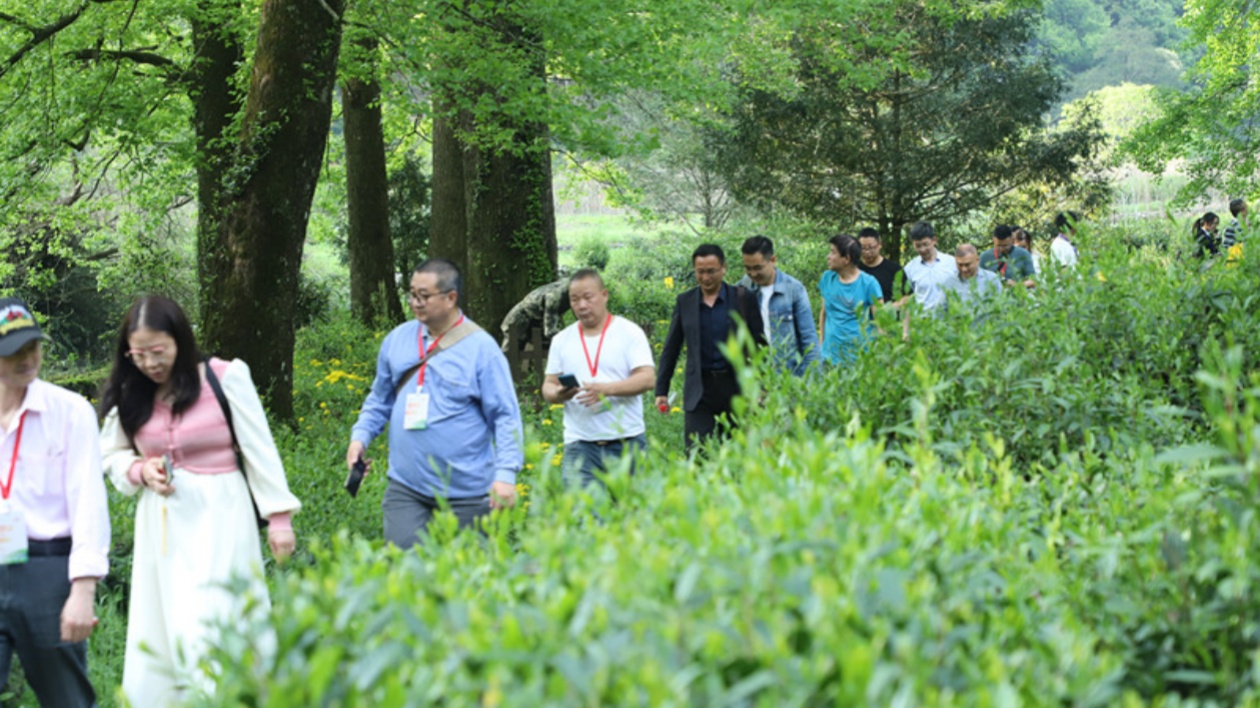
{"x": 793, "y": 335}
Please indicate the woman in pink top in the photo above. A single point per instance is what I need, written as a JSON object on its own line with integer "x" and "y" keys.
{"x": 165, "y": 437}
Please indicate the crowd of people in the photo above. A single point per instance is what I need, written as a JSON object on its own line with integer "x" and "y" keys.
{"x": 189, "y": 434}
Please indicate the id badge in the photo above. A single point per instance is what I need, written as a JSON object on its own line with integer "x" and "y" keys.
{"x": 13, "y": 543}
{"x": 416, "y": 415}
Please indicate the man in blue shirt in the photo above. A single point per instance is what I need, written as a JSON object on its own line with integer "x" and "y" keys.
{"x": 454, "y": 421}
{"x": 785, "y": 310}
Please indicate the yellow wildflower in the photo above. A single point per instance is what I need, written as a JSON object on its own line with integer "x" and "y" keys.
{"x": 1101, "y": 278}
{"x": 675, "y": 409}
{"x": 546, "y": 421}
{"x": 556, "y": 406}
{"x": 669, "y": 282}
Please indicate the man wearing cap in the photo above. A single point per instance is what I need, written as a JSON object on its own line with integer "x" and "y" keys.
{"x": 54, "y": 521}
{"x": 445, "y": 390}
{"x": 611, "y": 360}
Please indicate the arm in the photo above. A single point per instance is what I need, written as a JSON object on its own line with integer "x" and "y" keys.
{"x": 822, "y": 321}
{"x": 641, "y": 379}
{"x": 119, "y": 459}
{"x": 669, "y": 354}
{"x": 806, "y": 335}
{"x": 89, "y": 523}
{"x": 553, "y": 392}
{"x": 375, "y": 411}
{"x": 503, "y": 413}
{"x": 264, "y": 469}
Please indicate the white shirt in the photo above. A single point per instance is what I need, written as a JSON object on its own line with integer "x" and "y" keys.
{"x": 765, "y": 294}
{"x": 57, "y": 481}
{"x": 1062, "y": 251}
{"x": 929, "y": 278}
{"x": 625, "y": 349}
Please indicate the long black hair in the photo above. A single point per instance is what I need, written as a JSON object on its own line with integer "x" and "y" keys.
{"x": 128, "y": 388}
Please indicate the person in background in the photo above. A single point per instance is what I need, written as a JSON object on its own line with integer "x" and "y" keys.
{"x": 54, "y": 520}
{"x": 930, "y": 269}
{"x": 166, "y": 437}
{"x": 1238, "y": 226}
{"x": 1013, "y": 264}
{"x": 892, "y": 279}
{"x": 849, "y": 297}
{"x": 444, "y": 389}
{"x": 612, "y": 361}
{"x": 1205, "y": 237}
{"x": 1062, "y": 250}
{"x": 1024, "y": 241}
{"x": 785, "y": 310}
{"x": 972, "y": 281}
{"x": 704, "y": 318}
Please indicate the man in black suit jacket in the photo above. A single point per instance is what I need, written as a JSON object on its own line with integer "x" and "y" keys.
{"x": 703, "y": 320}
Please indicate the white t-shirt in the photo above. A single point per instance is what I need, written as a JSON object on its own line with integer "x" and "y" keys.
{"x": 765, "y": 294}
{"x": 929, "y": 279}
{"x": 625, "y": 349}
{"x": 1063, "y": 251}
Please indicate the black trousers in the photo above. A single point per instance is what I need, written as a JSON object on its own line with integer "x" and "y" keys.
{"x": 408, "y": 513}
{"x": 720, "y": 388}
{"x": 32, "y": 595}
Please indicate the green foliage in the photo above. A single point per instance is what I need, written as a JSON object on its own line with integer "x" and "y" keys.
{"x": 1046, "y": 502}
{"x": 592, "y": 252}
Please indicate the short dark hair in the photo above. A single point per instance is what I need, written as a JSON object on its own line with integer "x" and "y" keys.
{"x": 1020, "y": 233}
{"x": 847, "y": 246}
{"x": 1066, "y": 220}
{"x": 1208, "y": 218}
{"x": 1236, "y": 206}
{"x": 1002, "y": 232}
{"x": 587, "y": 273}
{"x": 705, "y": 250}
{"x": 868, "y": 232}
{"x": 921, "y": 230}
{"x": 757, "y": 244}
{"x": 449, "y": 279}
{"x": 128, "y": 388}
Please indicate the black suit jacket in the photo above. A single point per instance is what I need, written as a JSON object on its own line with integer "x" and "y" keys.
{"x": 684, "y": 326}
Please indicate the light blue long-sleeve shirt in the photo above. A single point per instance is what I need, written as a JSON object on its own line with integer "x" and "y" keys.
{"x": 473, "y": 432}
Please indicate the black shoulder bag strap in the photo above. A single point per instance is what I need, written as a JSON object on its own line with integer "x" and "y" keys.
{"x": 213, "y": 380}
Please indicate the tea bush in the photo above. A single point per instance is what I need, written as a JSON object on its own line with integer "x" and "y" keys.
{"x": 1048, "y": 500}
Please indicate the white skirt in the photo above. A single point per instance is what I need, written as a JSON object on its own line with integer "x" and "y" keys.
{"x": 197, "y": 566}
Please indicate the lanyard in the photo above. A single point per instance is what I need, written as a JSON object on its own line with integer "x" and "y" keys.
{"x": 1001, "y": 263}
{"x": 424, "y": 360}
{"x": 595, "y": 367}
{"x": 7, "y": 487}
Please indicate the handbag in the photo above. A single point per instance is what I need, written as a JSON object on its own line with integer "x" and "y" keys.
{"x": 213, "y": 380}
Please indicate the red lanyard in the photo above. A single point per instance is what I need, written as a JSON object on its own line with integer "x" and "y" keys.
{"x": 1001, "y": 263}
{"x": 595, "y": 367}
{"x": 7, "y": 487}
{"x": 424, "y": 362}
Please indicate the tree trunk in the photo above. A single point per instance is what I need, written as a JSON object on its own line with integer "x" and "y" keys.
{"x": 494, "y": 212}
{"x": 215, "y": 105}
{"x": 373, "y": 293}
{"x": 251, "y": 298}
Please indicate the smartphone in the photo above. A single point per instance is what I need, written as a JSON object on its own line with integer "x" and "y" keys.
{"x": 355, "y": 478}
{"x": 167, "y": 468}
{"x": 568, "y": 381}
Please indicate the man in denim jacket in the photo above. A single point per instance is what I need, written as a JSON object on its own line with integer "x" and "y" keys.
{"x": 785, "y": 307}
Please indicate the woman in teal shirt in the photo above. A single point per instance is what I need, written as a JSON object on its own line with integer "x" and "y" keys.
{"x": 848, "y": 301}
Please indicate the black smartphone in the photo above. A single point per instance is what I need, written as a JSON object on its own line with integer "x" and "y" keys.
{"x": 167, "y": 468}
{"x": 568, "y": 381}
{"x": 355, "y": 478}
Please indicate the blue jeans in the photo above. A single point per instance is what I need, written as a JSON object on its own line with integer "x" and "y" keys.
{"x": 582, "y": 458}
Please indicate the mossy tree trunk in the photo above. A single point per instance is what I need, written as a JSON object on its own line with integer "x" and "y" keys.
{"x": 250, "y": 295}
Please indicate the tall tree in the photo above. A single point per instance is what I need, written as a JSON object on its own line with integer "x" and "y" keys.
{"x": 937, "y": 134}
{"x": 251, "y": 300}
{"x": 373, "y": 294}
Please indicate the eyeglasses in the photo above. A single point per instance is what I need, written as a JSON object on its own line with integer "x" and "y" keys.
{"x": 423, "y": 298}
{"x": 157, "y": 353}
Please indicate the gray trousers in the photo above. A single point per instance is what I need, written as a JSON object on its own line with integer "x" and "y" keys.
{"x": 32, "y": 595}
{"x": 408, "y": 513}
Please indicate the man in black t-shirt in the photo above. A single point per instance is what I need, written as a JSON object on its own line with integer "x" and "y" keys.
{"x": 887, "y": 271}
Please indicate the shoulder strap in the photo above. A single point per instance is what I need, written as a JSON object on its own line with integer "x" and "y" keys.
{"x": 452, "y": 337}
{"x": 213, "y": 380}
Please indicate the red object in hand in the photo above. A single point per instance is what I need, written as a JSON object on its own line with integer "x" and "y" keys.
{"x": 664, "y": 408}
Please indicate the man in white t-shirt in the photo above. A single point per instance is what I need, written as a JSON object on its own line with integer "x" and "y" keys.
{"x": 930, "y": 269}
{"x": 611, "y": 359}
{"x": 1062, "y": 250}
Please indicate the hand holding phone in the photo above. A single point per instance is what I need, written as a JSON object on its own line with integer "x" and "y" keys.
{"x": 355, "y": 478}
{"x": 569, "y": 381}
{"x": 168, "y": 469}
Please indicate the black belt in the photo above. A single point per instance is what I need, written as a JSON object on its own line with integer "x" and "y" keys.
{"x": 615, "y": 441}
{"x": 55, "y": 547}
{"x": 717, "y": 372}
